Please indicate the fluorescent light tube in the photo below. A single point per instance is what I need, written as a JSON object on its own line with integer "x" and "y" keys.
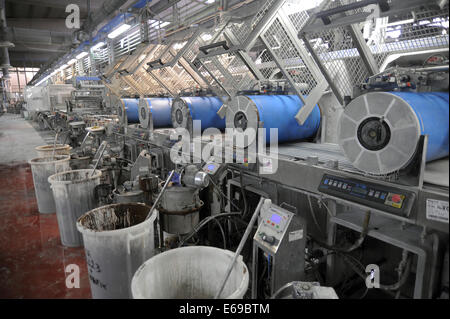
{"x": 98, "y": 46}
{"x": 82, "y": 55}
{"x": 119, "y": 30}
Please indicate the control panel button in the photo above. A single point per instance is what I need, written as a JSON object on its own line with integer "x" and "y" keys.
{"x": 268, "y": 239}
{"x": 396, "y": 198}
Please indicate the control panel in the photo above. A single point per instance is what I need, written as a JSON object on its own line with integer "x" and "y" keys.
{"x": 273, "y": 225}
{"x": 211, "y": 168}
{"x": 281, "y": 236}
{"x": 214, "y": 169}
{"x": 381, "y": 197}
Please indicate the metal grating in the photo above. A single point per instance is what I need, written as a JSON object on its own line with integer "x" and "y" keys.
{"x": 243, "y": 30}
{"x": 428, "y": 30}
{"x": 285, "y": 50}
{"x": 422, "y": 29}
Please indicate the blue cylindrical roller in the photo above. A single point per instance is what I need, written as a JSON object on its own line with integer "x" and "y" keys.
{"x": 131, "y": 107}
{"x": 187, "y": 109}
{"x": 379, "y": 131}
{"x": 272, "y": 111}
{"x": 432, "y": 111}
{"x": 160, "y": 109}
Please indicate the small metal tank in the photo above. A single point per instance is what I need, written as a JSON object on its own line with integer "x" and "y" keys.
{"x": 128, "y": 193}
{"x": 179, "y": 211}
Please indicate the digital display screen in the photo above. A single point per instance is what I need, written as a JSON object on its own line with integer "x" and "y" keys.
{"x": 211, "y": 167}
{"x": 360, "y": 190}
{"x": 275, "y": 218}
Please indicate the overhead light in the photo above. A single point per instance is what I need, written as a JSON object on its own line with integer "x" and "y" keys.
{"x": 400, "y": 22}
{"x": 98, "y": 46}
{"x": 179, "y": 45}
{"x": 210, "y": 1}
{"x": 157, "y": 24}
{"x": 206, "y": 37}
{"x": 119, "y": 30}
{"x": 81, "y": 55}
{"x": 72, "y": 61}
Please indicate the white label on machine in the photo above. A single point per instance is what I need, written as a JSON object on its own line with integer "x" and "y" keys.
{"x": 437, "y": 210}
{"x": 296, "y": 235}
{"x": 266, "y": 165}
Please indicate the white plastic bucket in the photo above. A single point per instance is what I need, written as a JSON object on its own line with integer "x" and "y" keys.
{"x": 74, "y": 195}
{"x": 116, "y": 244}
{"x": 42, "y": 168}
{"x": 190, "y": 273}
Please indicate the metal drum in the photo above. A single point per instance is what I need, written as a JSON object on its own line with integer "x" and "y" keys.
{"x": 180, "y": 208}
{"x": 379, "y": 131}
{"x": 130, "y": 109}
{"x": 249, "y": 113}
{"x": 204, "y": 109}
{"x": 160, "y": 111}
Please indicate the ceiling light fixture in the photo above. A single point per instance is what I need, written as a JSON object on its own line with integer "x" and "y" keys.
{"x": 119, "y": 30}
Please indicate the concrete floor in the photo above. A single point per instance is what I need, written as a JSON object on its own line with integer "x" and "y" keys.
{"x": 32, "y": 258}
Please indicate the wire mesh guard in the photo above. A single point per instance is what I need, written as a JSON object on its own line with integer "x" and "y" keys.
{"x": 282, "y": 47}
{"x": 178, "y": 70}
{"x": 420, "y": 29}
{"x": 229, "y": 69}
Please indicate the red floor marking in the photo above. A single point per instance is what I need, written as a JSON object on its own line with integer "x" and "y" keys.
{"x": 32, "y": 258}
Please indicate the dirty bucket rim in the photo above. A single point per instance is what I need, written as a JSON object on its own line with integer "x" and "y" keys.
{"x": 244, "y": 282}
{"x": 87, "y": 231}
{"x": 52, "y": 159}
{"x": 97, "y": 174}
{"x": 49, "y": 147}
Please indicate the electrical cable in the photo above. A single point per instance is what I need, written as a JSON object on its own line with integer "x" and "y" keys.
{"x": 244, "y": 213}
{"x": 202, "y": 224}
{"x": 223, "y": 233}
{"x": 357, "y": 243}
{"x": 313, "y": 214}
{"x": 403, "y": 274}
{"x": 222, "y": 194}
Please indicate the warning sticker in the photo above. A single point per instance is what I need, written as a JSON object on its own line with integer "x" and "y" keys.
{"x": 437, "y": 210}
{"x": 296, "y": 235}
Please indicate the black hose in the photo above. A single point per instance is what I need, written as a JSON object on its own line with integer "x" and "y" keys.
{"x": 244, "y": 213}
{"x": 354, "y": 246}
{"x": 202, "y": 224}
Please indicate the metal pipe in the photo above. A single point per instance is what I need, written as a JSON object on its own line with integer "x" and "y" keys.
{"x": 160, "y": 194}
{"x": 54, "y": 145}
{"x": 104, "y": 143}
{"x": 4, "y": 63}
{"x": 240, "y": 247}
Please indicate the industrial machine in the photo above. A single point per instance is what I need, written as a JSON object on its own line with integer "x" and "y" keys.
{"x": 281, "y": 237}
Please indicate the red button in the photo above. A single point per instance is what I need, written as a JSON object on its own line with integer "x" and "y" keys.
{"x": 396, "y": 198}
{"x": 273, "y": 224}
{"x": 268, "y": 222}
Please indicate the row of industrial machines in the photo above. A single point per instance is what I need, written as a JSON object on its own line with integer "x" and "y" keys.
{"x": 378, "y": 197}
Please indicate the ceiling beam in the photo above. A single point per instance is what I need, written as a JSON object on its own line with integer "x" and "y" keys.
{"x": 58, "y": 4}
{"x": 50, "y": 24}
